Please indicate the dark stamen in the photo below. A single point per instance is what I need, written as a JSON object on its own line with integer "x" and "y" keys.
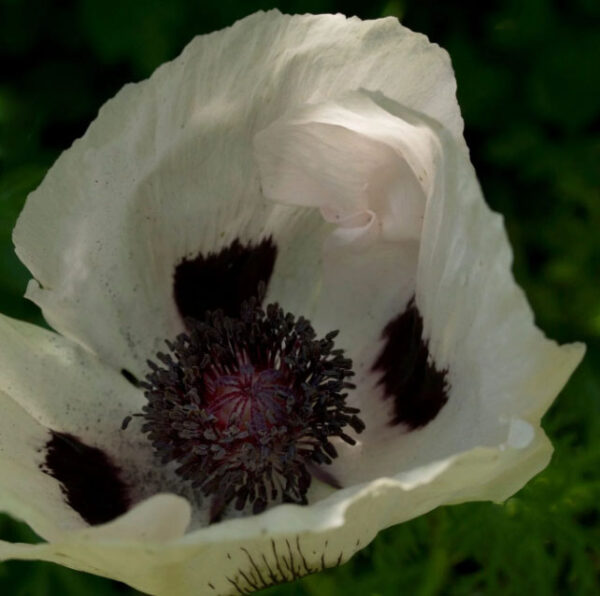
{"x": 130, "y": 377}
{"x": 247, "y": 406}
{"x": 418, "y": 388}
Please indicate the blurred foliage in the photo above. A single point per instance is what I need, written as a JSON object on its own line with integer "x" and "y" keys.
{"x": 529, "y": 87}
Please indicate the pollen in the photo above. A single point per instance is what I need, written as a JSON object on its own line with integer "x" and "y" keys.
{"x": 246, "y": 407}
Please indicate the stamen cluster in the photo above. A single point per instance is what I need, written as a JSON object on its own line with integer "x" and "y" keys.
{"x": 247, "y": 406}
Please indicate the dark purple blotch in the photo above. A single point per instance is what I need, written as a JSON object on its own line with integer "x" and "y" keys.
{"x": 223, "y": 280}
{"x": 409, "y": 377}
{"x": 88, "y": 478}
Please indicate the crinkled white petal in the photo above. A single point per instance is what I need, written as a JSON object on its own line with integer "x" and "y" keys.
{"x": 477, "y": 322}
{"x": 290, "y": 541}
{"x": 166, "y": 170}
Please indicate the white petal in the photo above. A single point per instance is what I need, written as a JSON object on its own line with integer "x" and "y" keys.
{"x": 162, "y": 175}
{"x": 30, "y": 494}
{"x": 160, "y": 518}
{"x": 259, "y": 550}
{"x": 354, "y": 161}
{"x": 66, "y": 389}
{"x": 476, "y": 320}
{"x": 26, "y": 492}
{"x": 370, "y": 172}
{"x": 476, "y": 317}
{"x": 62, "y": 385}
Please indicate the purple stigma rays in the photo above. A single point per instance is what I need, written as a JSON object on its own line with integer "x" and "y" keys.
{"x": 247, "y": 406}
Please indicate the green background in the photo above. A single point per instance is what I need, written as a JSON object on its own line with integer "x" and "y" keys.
{"x": 529, "y": 86}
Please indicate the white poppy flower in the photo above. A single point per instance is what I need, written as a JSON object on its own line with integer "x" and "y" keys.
{"x": 316, "y": 162}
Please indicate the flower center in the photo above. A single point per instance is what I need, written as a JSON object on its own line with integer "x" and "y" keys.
{"x": 247, "y": 406}
{"x": 249, "y": 398}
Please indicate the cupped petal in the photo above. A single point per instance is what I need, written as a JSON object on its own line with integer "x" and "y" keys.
{"x": 241, "y": 556}
{"x": 447, "y": 298}
{"x": 163, "y": 176}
